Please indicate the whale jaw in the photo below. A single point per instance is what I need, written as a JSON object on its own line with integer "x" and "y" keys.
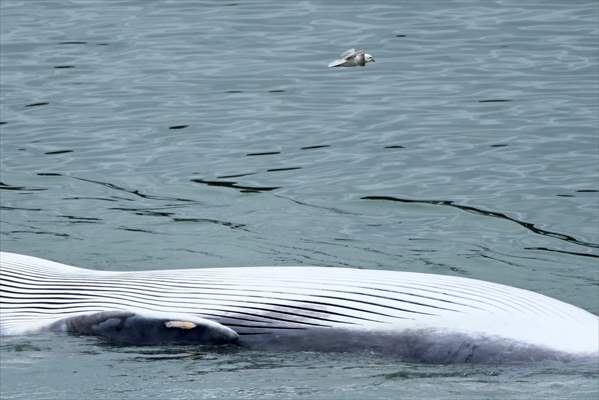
{"x": 413, "y": 345}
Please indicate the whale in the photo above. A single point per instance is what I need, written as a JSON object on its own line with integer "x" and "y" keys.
{"x": 413, "y": 316}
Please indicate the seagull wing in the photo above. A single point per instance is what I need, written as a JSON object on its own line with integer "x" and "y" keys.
{"x": 337, "y": 63}
{"x": 348, "y": 53}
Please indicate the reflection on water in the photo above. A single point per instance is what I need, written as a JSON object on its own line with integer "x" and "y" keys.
{"x": 67, "y": 367}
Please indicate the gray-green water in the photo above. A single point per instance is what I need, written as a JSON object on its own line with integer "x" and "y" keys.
{"x": 158, "y": 134}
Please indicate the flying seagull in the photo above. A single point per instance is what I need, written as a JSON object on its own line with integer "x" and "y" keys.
{"x": 352, "y": 58}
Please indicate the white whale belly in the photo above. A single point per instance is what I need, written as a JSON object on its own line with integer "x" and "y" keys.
{"x": 311, "y": 308}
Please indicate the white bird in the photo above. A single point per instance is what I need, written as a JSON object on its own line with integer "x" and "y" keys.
{"x": 352, "y": 58}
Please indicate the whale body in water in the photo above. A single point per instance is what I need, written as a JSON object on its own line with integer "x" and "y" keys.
{"x": 414, "y": 316}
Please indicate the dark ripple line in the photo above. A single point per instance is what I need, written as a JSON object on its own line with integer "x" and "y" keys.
{"x": 531, "y": 227}
{"x": 235, "y": 185}
{"x": 75, "y": 218}
{"x": 58, "y": 152}
{"x": 41, "y": 103}
{"x": 4, "y": 186}
{"x": 228, "y": 224}
{"x": 87, "y": 198}
{"x": 124, "y": 228}
{"x": 135, "y": 192}
{"x": 155, "y": 213}
{"x": 19, "y": 208}
{"x": 150, "y": 209}
{"x": 573, "y": 253}
{"x": 283, "y": 169}
{"x": 302, "y": 203}
{"x": 236, "y": 176}
{"x": 266, "y": 153}
{"x": 42, "y": 233}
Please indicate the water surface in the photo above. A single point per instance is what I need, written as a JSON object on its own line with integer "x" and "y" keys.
{"x": 145, "y": 134}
